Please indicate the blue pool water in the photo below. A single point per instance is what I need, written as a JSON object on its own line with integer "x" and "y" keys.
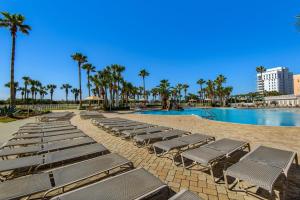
{"x": 266, "y": 117}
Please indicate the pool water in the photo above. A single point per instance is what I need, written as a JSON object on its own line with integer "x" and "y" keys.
{"x": 267, "y": 117}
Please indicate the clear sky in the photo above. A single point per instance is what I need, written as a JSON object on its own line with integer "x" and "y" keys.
{"x": 181, "y": 41}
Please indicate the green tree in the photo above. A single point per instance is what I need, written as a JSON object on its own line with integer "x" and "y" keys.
{"x": 51, "y": 88}
{"x": 75, "y": 92}
{"x": 80, "y": 59}
{"x": 15, "y": 85}
{"x": 261, "y": 70}
{"x": 164, "y": 90}
{"x": 143, "y": 73}
{"x": 220, "y": 80}
{"x": 26, "y": 80}
{"x": 66, "y": 87}
{"x": 200, "y": 82}
{"x": 185, "y": 87}
{"x": 15, "y": 23}
{"x": 89, "y": 68}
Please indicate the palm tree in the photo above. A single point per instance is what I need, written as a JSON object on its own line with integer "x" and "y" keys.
{"x": 80, "y": 59}
{"x": 143, "y": 73}
{"x": 261, "y": 70}
{"x": 51, "y": 88}
{"x": 227, "y": 92}
{"x": 33, "y": 84}
{"x": 164, "y": 90}
{"x": 15, "y": 85}
{"x": 89, "y": 68}
{"x": 200, "y": 82}
{"x": 179, "y": 88}
{"x": 185, "y": 88}
{"x": 15, "y": 23}
{"x": 66, "y": 87}
{"x": 219, "y": 90}
{"x": 210, "y": 90}
{"x": 75, "y": 91}
{"x": 117, "y": 76}
{"x": 23, "y": 93}
{"x": 26, "y": 80}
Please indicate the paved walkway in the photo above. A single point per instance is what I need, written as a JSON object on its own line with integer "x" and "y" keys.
{"x": 7, "y": 129}
{"x": 175, "y": 176}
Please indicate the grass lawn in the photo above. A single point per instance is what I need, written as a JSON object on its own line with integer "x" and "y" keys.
{"x": 6, "y": 119}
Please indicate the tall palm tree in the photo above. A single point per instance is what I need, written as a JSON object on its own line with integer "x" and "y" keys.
{"x": 75, "y": 91}
{"x": 15, "y": 23}
{"x": 89, "y": 68}
{"x": 26, "y": 80}
{"x": 185, "y": 87}
{"x": 80, "y": 59}
{"x": 219, "y": 88}
{"x": 179, "y": 88}
{"x": 66, "y": 87}
{"x": 117, "y": 75}
{"x": 22, "y": 90}
{"x": 164, "y": 90}
{"x": 210, "y": 90}
{"x": 261, "y": 70}
{"x": 51, "y": 88}
{"x": 200, "y": 82}
{"x": 15, "y": 85}
{"x": 143, "y": 73}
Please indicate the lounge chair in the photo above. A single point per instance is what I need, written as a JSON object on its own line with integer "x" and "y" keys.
{"x": 145, "y": 140}
{"x": 46, "y": 134}
{"x": 213, "y": 153}
{"x": 31, "y": 164}
{"x": 185, "y": 195}
{"x": 44, "y": 148}
{"x": 110, "y": 126}
{"x": 263, "y": 167}
{"x": 119, "y": 130}
{"x": 32, "y": 141}
{"x": 62, "y": 177}
{"x": 44, "y": 127}
{"x": 135, "y": 184}
{"x": 129, "y": 127}
{"x": 102, "y": 124}
{"x": 132, "y": 133}
{"x": 45, "y": 130}
{"x": 176, "y": 146}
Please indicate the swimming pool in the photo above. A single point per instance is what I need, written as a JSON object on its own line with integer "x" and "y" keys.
{"x": 267, "y": 117}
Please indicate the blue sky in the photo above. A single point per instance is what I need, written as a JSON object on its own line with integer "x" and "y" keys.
{"x": 181, "y": 41}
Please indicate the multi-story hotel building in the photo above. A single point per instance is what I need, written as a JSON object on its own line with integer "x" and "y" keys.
{"x": 297, "y": 84}
{"x": 276, "y": 79}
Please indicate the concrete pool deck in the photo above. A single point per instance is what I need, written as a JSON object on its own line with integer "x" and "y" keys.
{"x": 195, "y": 180}
{"x": 287, "y": 138}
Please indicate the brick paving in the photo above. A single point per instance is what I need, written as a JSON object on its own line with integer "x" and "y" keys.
{"x": 175, "y": 176}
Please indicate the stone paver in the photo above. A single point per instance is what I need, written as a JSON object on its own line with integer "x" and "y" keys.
{"x": 175, "y": 176}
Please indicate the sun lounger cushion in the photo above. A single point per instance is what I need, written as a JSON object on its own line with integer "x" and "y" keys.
{"x": 17, "y": 188}
{"x": 128, "y": 186}
{"x": 6, "y": 165}
{"x": 259, "y": 174}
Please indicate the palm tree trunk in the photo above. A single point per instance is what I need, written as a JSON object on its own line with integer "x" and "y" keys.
{"x": 144, "y": 88}
{"x": 89, "y": 87}
{"x": 80, "y": 91}
{"x": 12, "y": 71}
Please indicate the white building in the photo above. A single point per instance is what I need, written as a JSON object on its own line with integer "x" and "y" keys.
{"x": 283, "y": 100}
{"x": 276, "y": 79}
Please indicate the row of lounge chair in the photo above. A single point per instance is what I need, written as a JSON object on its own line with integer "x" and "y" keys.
{"x": 262, "y": 167}
{"x": 55, "y": 116}
{"x": 59, "y": 167}
{"x": 90, "y": 114}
